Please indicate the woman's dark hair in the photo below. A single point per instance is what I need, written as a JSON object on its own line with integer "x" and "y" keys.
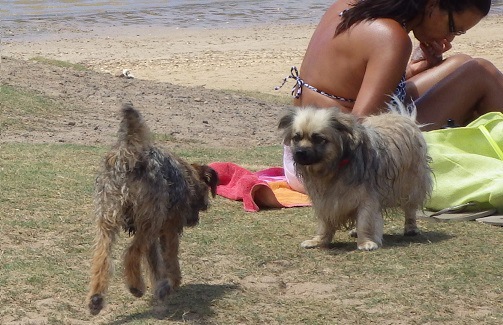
{"x": 402, "y": 10}
{"x": 483, "y": 6}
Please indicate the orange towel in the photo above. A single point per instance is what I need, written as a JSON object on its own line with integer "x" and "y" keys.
{"x": 267, "y": 188}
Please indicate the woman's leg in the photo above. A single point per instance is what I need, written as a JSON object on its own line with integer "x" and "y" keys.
{"x": 473, "y": 88}
{"x": 422, "y": 82}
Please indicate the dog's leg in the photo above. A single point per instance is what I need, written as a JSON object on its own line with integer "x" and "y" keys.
{"x": 410, "y": 226}
{"x": 132, "y": 264}
{"x": 101, "y": 267}
{"x": 324, "y": 236}
{"x": 369, "y": 227}
{"x": 352, "y": 233}
{"x": 170, "y": 242}
{"x": 155, "y": 260}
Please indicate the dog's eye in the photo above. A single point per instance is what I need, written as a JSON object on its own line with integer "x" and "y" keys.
{"x": 318, "y": 139}
{"x": 296, "y": 137}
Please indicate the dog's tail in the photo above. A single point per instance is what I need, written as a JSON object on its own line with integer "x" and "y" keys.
{"x": 133, "y": 132}
{"x": 399, "y": 107}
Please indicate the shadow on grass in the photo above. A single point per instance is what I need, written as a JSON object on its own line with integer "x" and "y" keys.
{"x": 430, "y": 237}
{"x": 336, "y": 248}
{"x": 192, "y": 302}
{"x": 392, "y": 240}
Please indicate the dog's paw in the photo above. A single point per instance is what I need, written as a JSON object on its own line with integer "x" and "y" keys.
{"x": 96, "y": 304}
{"x": 311, "y": 243}
{"x": 368, "y": 246}
{"x": 162, "y": 290}
{"x": 136, "y": 292}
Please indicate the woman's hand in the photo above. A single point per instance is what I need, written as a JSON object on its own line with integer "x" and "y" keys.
{"x": 426, "y": 56}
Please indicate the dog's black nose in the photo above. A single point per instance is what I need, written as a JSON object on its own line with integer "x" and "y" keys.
{"x": 303, "y": 156}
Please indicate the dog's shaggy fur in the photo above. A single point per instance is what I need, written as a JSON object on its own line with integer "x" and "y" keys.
{"x": 152, "y": 195}
{"x": 354, "y": 171}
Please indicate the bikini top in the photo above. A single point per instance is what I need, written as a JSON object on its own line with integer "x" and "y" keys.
{"x": 299, "y": 83}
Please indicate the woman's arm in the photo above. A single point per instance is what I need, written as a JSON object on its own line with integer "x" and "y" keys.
{"x": 426, "y": 56}
{"x": 386, "y": 47}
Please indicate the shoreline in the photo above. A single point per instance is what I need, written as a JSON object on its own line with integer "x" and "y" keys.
{"x": 251, "y": 59}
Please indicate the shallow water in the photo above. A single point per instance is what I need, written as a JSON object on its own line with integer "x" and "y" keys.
{"x": 173, "y": 13}
{"x": 39, "y": 18}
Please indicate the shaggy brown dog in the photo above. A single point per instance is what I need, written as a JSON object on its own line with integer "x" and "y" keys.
{"x": 353, "y": 171}
{"x": 152, "y": 195}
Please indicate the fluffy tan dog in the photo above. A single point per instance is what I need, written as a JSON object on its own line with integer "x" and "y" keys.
{"x": 354, "y": 171}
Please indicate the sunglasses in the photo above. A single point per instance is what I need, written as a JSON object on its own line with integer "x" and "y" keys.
{"x": 452, "y": 27}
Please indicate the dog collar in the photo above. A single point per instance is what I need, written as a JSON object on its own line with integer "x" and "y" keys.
{"x": 343, "y": 162}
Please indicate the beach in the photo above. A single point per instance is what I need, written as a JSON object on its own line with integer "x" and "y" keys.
{"x": 251, "y": 60}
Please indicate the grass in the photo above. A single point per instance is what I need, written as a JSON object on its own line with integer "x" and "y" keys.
{"x": 25, "y": 111}
{"x": 59, "y": 63}
{"x": 238, "y": 267}
{"x": 271, "y": 98}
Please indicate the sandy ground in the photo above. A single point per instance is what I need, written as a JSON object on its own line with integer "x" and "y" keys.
{"x": 254, "y": 59}
{"x": 162, "y": 60}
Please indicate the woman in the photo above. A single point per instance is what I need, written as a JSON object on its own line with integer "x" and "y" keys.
{"x": 360, "y": 54}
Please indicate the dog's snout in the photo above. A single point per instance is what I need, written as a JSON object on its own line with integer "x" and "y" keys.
{"x": 304, "y": 156}
{"x": 192, "y": 220}
{"x": 300, "y": 155}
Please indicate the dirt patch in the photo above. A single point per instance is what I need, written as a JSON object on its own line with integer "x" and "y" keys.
{"x": 181, "y": 114}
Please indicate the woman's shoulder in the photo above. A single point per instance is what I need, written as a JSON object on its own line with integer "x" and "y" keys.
{"x": 381, "y": 34}
{"x": 382, "y": 28}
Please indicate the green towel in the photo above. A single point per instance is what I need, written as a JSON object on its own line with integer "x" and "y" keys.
{"x": 467, "y": 164}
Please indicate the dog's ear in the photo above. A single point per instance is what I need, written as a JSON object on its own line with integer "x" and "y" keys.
{"x": 285, "y": 124}
{"x": 286, "y": 120}
{"x": 354, "y": 148}
{"x": 355, "y": 145}
{"x": 343, "y": 123}
{"x": 350, "y": 129}
{"x": 209, "y": 176}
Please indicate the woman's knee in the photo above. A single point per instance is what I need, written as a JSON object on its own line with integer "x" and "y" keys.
{"x": 458, "y": 59}
{"x": 419, "y": 84}
{"x": 491, "y": 79}
{"x": 453, "y": 63}
{"x": 478, "y": 66}
{"x": 486, "y": 67}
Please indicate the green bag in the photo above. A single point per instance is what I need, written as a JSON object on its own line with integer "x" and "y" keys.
{"x": 467, "y": 164}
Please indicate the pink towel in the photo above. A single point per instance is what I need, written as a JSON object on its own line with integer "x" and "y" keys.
{"x": 263, "y": 189}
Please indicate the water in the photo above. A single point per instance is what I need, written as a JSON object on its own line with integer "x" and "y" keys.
{"x": 39, "y": 16}
{"x": 175, "y": 13}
